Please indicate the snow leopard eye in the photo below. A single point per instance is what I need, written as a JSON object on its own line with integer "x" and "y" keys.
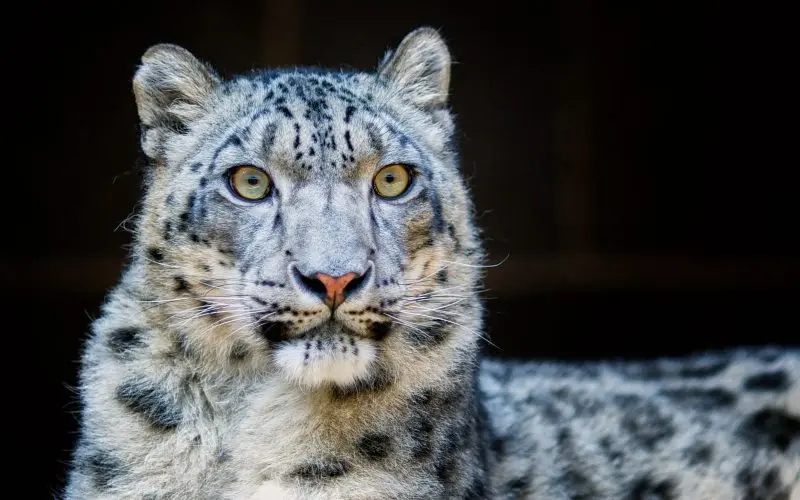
{"x": 392, "y": 180}
{"x": 249, "y": 183}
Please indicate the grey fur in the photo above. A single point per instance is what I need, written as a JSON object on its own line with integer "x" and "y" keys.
{"x": 217, "y": 372}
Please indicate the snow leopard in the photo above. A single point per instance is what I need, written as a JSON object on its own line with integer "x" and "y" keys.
{"x": 300, "y": 317}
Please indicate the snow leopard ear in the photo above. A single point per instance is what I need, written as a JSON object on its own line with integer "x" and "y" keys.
{"x": 171, "y": 88}
{"x": 419, "y": 68}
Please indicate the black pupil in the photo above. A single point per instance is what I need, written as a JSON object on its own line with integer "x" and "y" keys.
{"x": 253, "y": 180}
{"x": 389, "y": 178}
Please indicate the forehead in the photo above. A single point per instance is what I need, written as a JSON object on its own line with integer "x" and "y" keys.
{"x": 319, "y": 101}
{"x": 311, "y": 121}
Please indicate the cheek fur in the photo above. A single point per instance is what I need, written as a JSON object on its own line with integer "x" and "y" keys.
{"x": 417, "y": 228}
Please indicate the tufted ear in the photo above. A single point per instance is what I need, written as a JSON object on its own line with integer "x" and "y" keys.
{"x": 171, "y": 88}
{"x": 419, "y": 68}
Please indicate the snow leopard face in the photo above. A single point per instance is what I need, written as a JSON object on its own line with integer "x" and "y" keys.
{"x": 311, "y": 221}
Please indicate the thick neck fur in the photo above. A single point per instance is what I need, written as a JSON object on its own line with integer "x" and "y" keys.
{"x": 247, "y": 429}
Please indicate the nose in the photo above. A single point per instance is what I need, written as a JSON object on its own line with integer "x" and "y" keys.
{"x": 333, "y": 290}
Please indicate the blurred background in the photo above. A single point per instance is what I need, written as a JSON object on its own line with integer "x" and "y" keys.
{"x": 635, "y": 164}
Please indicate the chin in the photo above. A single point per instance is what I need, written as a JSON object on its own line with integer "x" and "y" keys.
{"x": 329, "y": 355}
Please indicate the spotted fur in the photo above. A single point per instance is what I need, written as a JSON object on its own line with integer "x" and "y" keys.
{"x": 217, "y": 371}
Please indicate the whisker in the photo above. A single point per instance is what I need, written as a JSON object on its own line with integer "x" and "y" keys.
{"x": 226, "y": 321}
{"x": 162, "y": 264}
{"x": 193, "y": 275}
{"x": 431, "y": 309}
{"x": 435, "y": 295}
{"x": 183, "y": 312}
{"x": 466, "y": 288}
{"x": 165, "y": 301}
{"x": 436, "y": 318}
{"x": 479, "y": 265}
{"x": 209, "y": 312}
{"x": 441, "y": 290}
{"x": 434, "y": 300}
{"x": 205, "y": 283}
{"x": 406, "y": 324}
{"x": 253, "y": 323}
{"x": 448, "y": 263}
{"x": 246, "y": 325}
{"x": 423, "y": 278}
{"x": 427, "y": 290}
{"x": 123, "y": 224}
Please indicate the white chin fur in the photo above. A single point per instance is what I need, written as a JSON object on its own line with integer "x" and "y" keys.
{"x": 316, "y": 361}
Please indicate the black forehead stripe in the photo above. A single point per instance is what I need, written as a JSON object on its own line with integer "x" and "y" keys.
{"x": 285, "y": 112}
{"x": 374, "y": 136}
{"x": 232, "y": 141}
{"x": 424, "y": 167}
{"x": 392, "y": 128}
{"x": 348, "y": 141}
{"x": 317, "y": 111}
{"x": 348, "y": 113}
{"x": 267, "y": 135}
{"x": 268, "y": 138}
{"x": 244, "y": 133}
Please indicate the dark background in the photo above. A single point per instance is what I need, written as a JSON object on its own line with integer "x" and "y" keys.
{"x": 635, "y": 163}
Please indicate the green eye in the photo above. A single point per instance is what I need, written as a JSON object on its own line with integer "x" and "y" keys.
{"x": 392, "y": 180}
{"x": 250, "y": 183}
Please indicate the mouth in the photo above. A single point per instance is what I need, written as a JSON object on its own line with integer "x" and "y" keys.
{"x": 331, "y": 328}
{"x": 328, "y": 354}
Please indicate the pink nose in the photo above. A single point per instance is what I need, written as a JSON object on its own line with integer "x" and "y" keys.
{"x": 334, "y": 287}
